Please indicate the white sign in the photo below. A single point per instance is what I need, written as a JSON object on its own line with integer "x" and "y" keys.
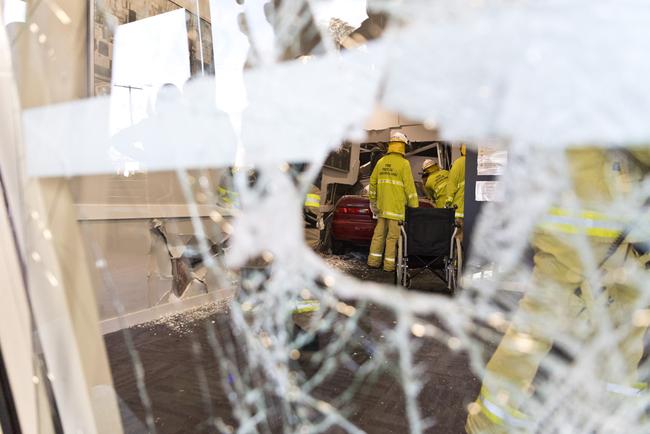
{"x": 491, "y": 160}
{"x": 489, "y": 191}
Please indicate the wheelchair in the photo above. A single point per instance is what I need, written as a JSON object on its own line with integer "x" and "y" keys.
{"x": 428, "y": 241}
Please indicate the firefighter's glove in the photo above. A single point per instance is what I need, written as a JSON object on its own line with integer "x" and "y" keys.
{"x": 374, "y": 210}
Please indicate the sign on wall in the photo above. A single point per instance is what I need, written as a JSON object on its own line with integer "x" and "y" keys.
{"x": 492, "y": 160}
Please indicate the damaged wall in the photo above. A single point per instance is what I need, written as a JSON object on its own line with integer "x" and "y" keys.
{"x": 118, "y": 215}
{"x": 141, "y": 268}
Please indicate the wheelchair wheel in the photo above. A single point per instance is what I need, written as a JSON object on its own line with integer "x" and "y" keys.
{"x": 407, "y": 281}
{"x": 455, "y": 266}
{"x": 399, "y": 265}
{"x": 459, "y": 262}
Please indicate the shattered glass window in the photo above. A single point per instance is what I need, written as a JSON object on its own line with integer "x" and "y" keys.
{"x": 208, "y": 224}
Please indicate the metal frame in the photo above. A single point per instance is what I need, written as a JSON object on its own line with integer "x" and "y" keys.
{"x": 453, "y": 271}
{"x": 450, "y": 272}
{"x": 8, "y": 415}
{"x": 90, "y": 40}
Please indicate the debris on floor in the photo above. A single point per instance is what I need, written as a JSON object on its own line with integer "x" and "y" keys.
{"x": 353, "y": 263}
{"x": 183, "y": 323}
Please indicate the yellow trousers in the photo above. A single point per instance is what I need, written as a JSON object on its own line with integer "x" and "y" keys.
{"x": 560, "y": 303}
{"x": 384, "y": 244}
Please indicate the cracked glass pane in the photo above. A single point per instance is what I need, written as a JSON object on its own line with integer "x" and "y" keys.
{"x": 323, "y": 216}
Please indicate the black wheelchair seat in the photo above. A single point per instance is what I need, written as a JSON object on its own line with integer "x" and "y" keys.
{"x": 429, "y": 231}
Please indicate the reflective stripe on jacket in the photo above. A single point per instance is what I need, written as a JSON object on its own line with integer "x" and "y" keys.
{"x": 595, "y": 224}
{"x": 392, "y": 187}
{"x": 312, "y": 201}
{"x": 601, "y": 178}
{"x": 306, "y": 306}
{"x": 228, "y": 198}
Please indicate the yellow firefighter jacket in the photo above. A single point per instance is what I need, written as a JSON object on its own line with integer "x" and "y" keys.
{"x": 392, "y": 187}
{"x": 600, "y": 178}
{"x": 456, "y": 187}
{"x": 436, "y": 187}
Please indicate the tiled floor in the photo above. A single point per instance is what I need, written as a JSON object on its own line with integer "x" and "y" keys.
{"x": 184, "y": 385}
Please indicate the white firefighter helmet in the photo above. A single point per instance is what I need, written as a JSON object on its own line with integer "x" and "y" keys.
{"x": 397, "y": 143}
{"x": 396, "y": 136}
{"x": 428, "y": 164}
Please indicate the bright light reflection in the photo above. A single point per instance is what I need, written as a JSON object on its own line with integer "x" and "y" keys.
{"x": 148, "y": 54}
{"x": 351, "y": 11}
{"x": 14, "y": 11}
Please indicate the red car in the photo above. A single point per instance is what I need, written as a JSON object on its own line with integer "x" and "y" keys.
{"x": 352, "y": 222}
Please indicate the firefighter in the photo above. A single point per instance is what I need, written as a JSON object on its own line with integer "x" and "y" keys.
{"x": 456, "y": 190}
{"x": 435, "y": 182}
{"x": 227, "y": 196}
{"x": 391, "y": 189}
{"x": 456, "y": 185}
{"x": 561, "y": 301}
{"x": 311, "y": 207}
{"x": 312, "y": 217}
